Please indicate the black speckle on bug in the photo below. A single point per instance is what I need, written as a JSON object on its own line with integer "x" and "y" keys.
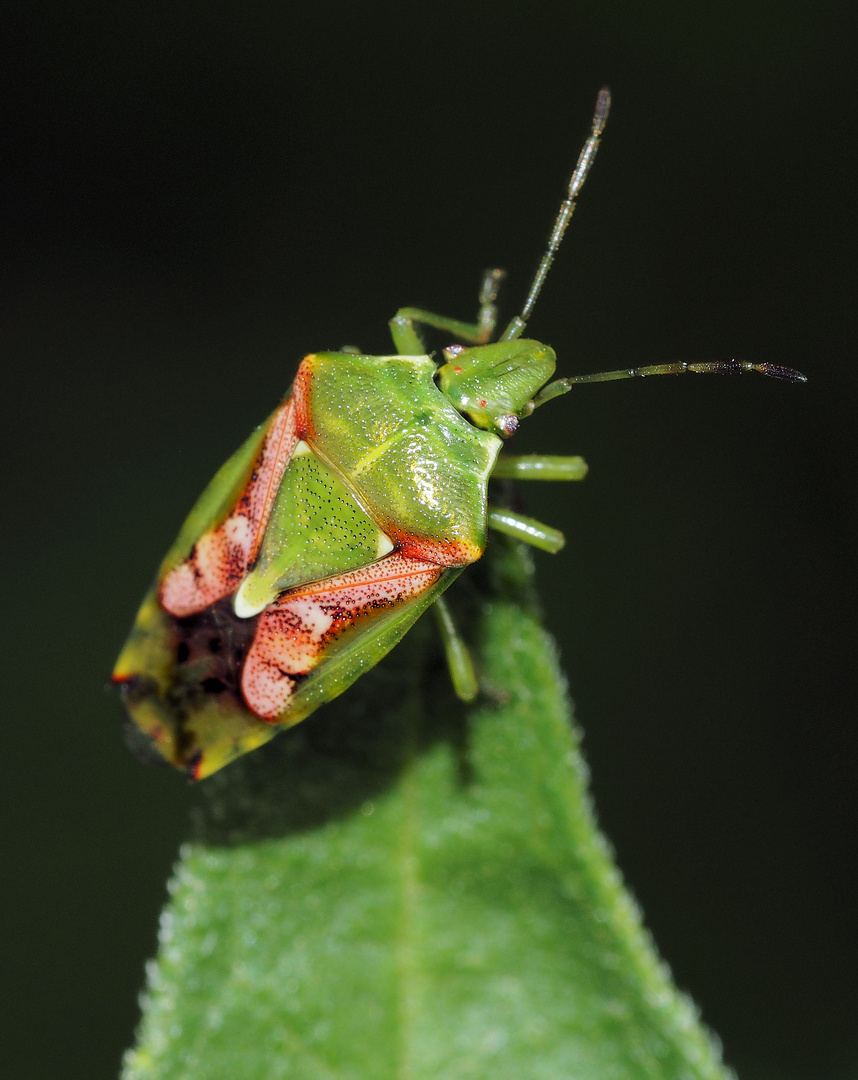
{"x": 210, "y": 649}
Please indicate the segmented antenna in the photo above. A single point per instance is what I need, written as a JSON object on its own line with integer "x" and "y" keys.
{"x": 567, "y": 208}
{"x": 585, "y": 161}
{"x": 679, "y": 367}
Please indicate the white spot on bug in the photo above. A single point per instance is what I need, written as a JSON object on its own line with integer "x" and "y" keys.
{"x": 242, "y": 608}
{"x": 384, "y": 546}
{"x": 312, "y": 617}
{"x": 237, "y": 530}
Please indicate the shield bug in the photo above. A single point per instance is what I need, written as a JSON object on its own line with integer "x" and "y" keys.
{"x": 342, "y": 518}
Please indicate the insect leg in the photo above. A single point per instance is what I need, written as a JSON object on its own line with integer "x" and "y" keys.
{"x": 459, "y": 661}
{"x": 526, "y": 529}
{"x": 407, "y": 339}
{"x": 539, "y": 467}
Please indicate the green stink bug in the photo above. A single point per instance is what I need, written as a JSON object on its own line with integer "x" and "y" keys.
{"x": 342, "y": 518}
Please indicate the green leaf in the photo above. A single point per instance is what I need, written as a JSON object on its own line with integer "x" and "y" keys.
{"x": 402, "y": 887}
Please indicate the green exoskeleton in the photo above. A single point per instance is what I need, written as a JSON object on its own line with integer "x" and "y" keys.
{"x": 342, "y": 518}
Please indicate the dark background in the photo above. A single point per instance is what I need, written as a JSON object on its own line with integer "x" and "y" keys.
{"x": 195, "y": 195}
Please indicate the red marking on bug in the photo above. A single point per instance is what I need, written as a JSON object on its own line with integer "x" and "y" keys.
{"x": 301, "y": 391}
{"x": 483, "y": 403}
{"x": 294, "y": 632}
{"x": 458, "y": 370}
{"x": 440, "y": 552}
{"x": 277, "y": 453}
{"x": 220, "y": 557}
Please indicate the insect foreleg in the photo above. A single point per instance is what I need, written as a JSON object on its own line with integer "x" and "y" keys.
{"x": 407, "y": 338}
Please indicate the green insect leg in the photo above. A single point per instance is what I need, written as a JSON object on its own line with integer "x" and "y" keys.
{"x": 526, "y": 529}
{"x": 539, "y": 467}
{"x": 407, "y": 339}
{"x": 459, "y": 660}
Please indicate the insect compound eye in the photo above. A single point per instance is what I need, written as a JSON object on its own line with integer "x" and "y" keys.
{"x": 507, "y": 425}
{"x": 452, "y": 351}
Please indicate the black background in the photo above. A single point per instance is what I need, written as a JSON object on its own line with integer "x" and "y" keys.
{"x": 195, "y": 195}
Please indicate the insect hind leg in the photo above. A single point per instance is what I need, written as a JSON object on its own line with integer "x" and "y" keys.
{"x": 459, "y": 660}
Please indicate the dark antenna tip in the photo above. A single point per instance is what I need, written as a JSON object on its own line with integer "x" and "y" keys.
{"x": 603, "y": 105}
{"x": 776, "y": 371}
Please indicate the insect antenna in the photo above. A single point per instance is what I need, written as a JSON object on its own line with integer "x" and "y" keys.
{"x": 567, "y": 208}
{"x": 680, "y": 367}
